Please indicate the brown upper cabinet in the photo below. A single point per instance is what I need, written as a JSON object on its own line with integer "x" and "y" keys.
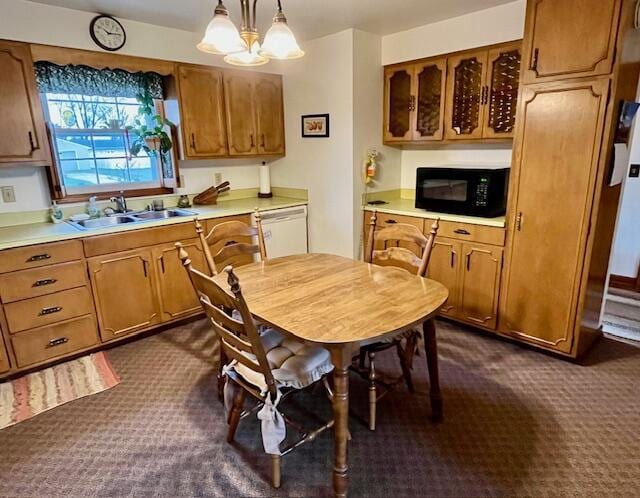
{"x": 468, "y": 95}
{"x": 482, "y": 92}
{"x": 23, "y": 138}
{"x": 202, "y": 112}
{"x": 255, "y": 120}
{"x": 414, "y": 101}
{"x": 569, "y": 38}
{"x": 269, "y": 110}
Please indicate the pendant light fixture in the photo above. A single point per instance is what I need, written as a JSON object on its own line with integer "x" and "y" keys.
{"x": 242, "y": 48}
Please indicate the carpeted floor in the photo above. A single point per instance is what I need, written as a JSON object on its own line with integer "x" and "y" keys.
{"x": 517, "y": 423}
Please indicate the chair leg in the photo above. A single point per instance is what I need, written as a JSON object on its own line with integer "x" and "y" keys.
{"x": 275, "y": 470}
{"x": 406, "y": 360}
{"x": 236, "y": 411}
{"x": 431, "y": 350}
{"x": 373, "y": 394}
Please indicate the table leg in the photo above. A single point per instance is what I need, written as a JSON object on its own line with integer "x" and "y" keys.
{"x": 431, "y": 350}
{"x": 340, "y": 356}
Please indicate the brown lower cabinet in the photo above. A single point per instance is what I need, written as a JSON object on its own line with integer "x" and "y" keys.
{"x": 124, "y": 292}
{"x": 177, "y": 297}
{"x": 466, "y": 259}
{"x": 4, "y": 357}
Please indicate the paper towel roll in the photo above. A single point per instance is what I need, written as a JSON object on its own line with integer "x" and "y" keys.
{"x": 265, "y": 180}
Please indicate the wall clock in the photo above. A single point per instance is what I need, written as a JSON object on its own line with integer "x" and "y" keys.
{"x": 107, "y": 33}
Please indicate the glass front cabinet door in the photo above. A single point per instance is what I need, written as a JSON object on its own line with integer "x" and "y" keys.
{"x": 466, "y": 95}
{"x": 502, "y": 82}
{"x": 429, "y": 103}
{"x": 399, "y": 103}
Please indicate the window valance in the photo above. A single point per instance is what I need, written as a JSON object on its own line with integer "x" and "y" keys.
{"x": 85, "y": 80}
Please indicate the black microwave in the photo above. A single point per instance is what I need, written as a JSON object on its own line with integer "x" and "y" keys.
{"x": 468, "y": 191}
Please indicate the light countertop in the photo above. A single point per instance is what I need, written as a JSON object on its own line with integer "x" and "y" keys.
{"x": 406, "y": 207}
{"x": 39, "y": 233}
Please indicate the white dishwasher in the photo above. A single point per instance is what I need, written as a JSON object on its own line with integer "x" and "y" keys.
{"x": 285, "y": 231}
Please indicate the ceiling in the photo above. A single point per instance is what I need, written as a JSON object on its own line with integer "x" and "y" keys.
{"x": 308, "y": 18}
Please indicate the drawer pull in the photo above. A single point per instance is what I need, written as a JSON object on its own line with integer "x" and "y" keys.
{"x": 44, "y": 281}
{"x": 391, "y": 222}
{"x": 58, "y": 341}
{"x": 39, "y": 257}
{"x": 462, "y": 231}
{"x": 50, "y": 310}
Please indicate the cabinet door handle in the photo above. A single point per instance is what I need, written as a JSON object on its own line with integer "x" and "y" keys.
{"x": 262, "y": 142}
{"x": 50, "y": 310}
{"x": 462, "y": 231}
{"x": 31, "y": 142}
{"x": 253, "y": 144}
{"x": 58, "y": 341}
{"x": 519, "y": 222}
{"x": 38, "y": 257}
{"x": 44, "y": 281}
{"x": 161, "y": 264}
{"x": 453, "y": 259}
{"x": 468, "y": 258}
{"x": 534, "y": 59}
{"x": 144, "y": 268}
{"x": 193, "y": 142}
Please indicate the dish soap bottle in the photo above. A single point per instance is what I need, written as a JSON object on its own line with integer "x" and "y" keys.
{"x": 93, "y": 211}
{"x": 55, "y": 213}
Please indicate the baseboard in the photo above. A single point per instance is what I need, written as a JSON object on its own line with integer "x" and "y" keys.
{"x": 622, "y": 282}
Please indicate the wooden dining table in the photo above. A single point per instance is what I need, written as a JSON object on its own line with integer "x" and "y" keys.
{"x": 339, "y": 302}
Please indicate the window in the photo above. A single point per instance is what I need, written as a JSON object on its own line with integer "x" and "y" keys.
{"x": 88, "y": 111}
{"x": 92, "y": 144}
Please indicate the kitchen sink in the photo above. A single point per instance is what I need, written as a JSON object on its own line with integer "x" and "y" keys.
{"x": 162, "y": 215}
{"x": 133, "y": 217}
{"x": 109, "y": 221}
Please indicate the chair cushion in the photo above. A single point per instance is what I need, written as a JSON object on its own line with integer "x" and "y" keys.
{"x": 293, "y": 363}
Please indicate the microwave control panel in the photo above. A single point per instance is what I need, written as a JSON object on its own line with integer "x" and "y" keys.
{"x": 482, "y": 192}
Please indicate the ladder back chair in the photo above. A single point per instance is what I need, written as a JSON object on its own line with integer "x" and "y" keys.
{"x": 229, "y": 243}
{"x": 389, "y": 253}
{"x": 266, "y": 364}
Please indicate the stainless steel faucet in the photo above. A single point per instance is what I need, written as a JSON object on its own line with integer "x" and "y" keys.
{"x": 121, "y": 203}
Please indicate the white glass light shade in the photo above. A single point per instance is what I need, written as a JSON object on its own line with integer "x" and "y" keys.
{"x": 280, "y": 42}
{"x": 247, "y": 58}
{"x": 222, "y": 36}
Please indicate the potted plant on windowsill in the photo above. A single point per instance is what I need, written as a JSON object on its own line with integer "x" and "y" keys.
{"x": 149, "y": 130}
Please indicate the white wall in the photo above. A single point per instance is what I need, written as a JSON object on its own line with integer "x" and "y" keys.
{"x": 368, "y": 89}
{"x": 485, "y": 27}
{"x": 38, "y": 23}
{"x": 321, "y": 83}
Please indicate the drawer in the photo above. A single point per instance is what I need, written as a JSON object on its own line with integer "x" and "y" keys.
{"x": 135, "y": 239}
{"x": 23, "y": 258}
{"x": 40, "y": 281}
{"x": 387, "y": 220}
{"x": 45, "y": 343}
{"x": 43, "y": 310}
{"x": 473, "y": 233}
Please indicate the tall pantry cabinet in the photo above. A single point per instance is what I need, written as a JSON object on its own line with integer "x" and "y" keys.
{"x": 557, "y": 234}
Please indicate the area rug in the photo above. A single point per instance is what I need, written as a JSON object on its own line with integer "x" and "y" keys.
{"x": 32, "y": 394}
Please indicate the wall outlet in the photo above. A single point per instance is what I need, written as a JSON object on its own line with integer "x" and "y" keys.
{"x": 634, "y": 171}
{"x": 217, "y": 178}
{"x": 8, "y": 194}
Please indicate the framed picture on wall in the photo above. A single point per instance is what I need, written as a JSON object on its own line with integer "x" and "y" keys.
{"x": 315, "y": 126}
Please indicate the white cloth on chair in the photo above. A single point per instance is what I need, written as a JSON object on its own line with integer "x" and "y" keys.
{"x": 272, "y": 425}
